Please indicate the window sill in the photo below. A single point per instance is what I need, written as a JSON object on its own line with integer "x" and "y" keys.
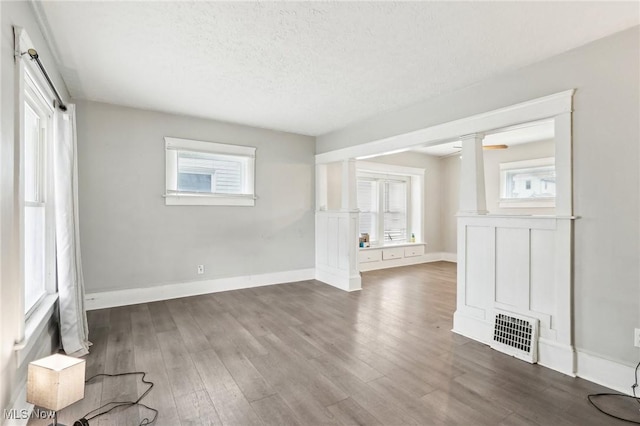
{"x": 34, "y": 326}
{"x": 391, "y": 246}
{"x": 517, "y": 203}
{"x": 208, "y": 200}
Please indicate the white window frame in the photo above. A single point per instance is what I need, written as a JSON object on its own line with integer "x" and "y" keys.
{"x": 174, "y": 197}
{"x": 375, "y": 232}
{"x": 37, "y": 100}
{"x": 30, "y": 82}
{"x": 415, "y": 196}
{"x": 537, "y": 202}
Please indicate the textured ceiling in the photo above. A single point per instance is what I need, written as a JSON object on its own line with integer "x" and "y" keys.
{"x": 305, "y": 67}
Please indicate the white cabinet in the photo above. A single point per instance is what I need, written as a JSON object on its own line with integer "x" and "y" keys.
{"x": 387, "y": 257}
{"x": 370, "y": 256}
{"x": 414, "y": 251}
{"x": 392, "y": 253}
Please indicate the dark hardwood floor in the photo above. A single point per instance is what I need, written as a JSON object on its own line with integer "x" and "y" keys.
{"x": 309, "y": 354}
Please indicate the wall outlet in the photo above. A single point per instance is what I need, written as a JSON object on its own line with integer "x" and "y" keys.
{"x": 200, "y": 269}
{"x": 636, "y": 338}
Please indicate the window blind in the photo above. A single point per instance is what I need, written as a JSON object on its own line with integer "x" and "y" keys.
{"x": 367, "y": 192}
{"x": 395, "y": 211}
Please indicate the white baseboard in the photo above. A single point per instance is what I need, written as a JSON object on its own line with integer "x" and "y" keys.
{"x": 110, "y": 299}
{"x": 551, "y": 354}
{"x": 473, "y": 328}
{"x": 339, "y": 280}
{"x": 450, "y": 257}
{"x": 605, "y": 372}
{"x": 557, "y": 356}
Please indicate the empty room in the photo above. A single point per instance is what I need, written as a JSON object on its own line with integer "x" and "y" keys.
{"x": 310, "y": 213}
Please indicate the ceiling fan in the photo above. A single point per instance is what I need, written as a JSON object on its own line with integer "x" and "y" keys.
{"x": 488, "y": 147}
{"x": 484, "y": 147}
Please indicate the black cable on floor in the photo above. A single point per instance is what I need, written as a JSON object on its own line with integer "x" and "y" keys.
{"x": 117, "y": 404}
{"x": 618, "y": 395}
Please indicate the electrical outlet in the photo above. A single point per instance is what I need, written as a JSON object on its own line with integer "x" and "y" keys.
{"x": 200, "y": 269}
{"x": 636, "y": 338}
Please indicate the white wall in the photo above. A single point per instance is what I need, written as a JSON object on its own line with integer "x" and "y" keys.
{"x": 131, "y": 239}
{"x": 12, "y": 376}
{"x": 606, "y": 133}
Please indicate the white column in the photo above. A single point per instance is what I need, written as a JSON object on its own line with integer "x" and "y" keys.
{"x": 349, "y": 200}
{"x": 472, "y": 194}
{"x": 337, "y": 236}
{"x": 350, "y": 232}
{"x": 321, "y": 187}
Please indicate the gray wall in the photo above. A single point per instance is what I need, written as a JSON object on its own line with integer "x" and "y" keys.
{"x": 131, "y": 239}
{"x": 492, "y": 160}
{"x": 334, "y": 186}
{"x": 606, "y": 133}
{"x": 11, "y": 378}
{"x": 450, "y": 167}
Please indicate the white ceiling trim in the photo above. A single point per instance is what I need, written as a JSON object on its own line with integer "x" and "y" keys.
{"x": 533, "y": 110}
{"x": 509, "y": 136}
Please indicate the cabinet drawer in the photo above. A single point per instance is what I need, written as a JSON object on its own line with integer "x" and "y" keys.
{"x": 392, "y": 253}
{"x": 370, "y": 256}
{"x": 414, "y": 251}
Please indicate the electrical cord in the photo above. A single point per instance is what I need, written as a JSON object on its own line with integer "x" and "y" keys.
{"x": 84, "y": 421}
{"x": 592, "y": 396}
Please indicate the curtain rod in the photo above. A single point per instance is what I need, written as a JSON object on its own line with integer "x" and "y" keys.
{"x": 34, "y": 56}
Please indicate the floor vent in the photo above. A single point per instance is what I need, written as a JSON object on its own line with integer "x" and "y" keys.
{"x": 516, "y": 335}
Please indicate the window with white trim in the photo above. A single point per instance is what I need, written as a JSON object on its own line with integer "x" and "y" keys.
{"x": 528, "y": 183}
{"x": 383, "y": 201}
{"x": 368, "y": 206}
{"x": 208, "y": 173}
{"x": 38, "y": 228}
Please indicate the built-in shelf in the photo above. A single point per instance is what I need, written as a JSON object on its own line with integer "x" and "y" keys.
{"x": 388, "y": 256}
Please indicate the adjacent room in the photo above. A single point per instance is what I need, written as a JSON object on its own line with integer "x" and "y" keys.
{"x": 309, "y": 213}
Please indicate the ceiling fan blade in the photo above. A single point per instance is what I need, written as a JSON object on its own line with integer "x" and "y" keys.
{"x": 488, "y": 147}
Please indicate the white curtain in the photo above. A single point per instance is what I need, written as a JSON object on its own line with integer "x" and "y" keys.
{"x": 74, "y": 331}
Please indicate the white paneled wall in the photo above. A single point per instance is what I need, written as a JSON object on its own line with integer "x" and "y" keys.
{"x": 336, "y": 249}
{"x": 522, "y": 265}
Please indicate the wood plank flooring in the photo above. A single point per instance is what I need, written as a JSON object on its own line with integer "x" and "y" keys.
{"x": 309, "y": 354}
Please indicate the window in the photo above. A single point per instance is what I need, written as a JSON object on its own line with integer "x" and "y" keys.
{"x": 529, "y": 183}
{"x": 207, "y": 173}
{"x": 383, "y": 202}
{"x": 368, "y": 206}
{"x": 395, "y": 211}
{"x": 38, "y": 251}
